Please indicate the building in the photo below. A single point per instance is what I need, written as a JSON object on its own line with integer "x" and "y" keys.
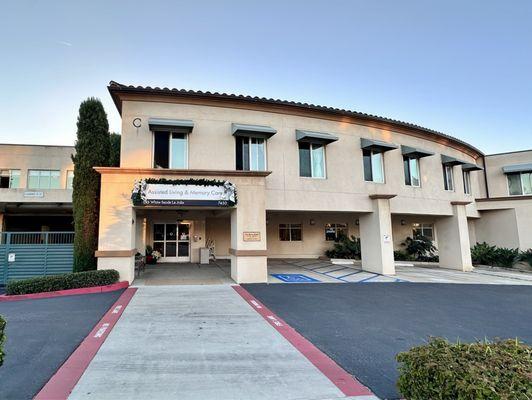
{"x": 36, "y": 188}
{"x": 303, "y": 174}
{"x": 258, "y": 178}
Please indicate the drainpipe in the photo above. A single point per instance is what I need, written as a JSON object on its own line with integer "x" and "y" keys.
{"x": 486, "y": 176}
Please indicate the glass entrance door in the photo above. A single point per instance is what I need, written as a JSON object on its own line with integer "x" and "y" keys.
{"x": 172, "y": 241}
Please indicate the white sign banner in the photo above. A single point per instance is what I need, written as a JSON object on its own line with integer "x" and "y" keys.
{"x": 187, "y": 195}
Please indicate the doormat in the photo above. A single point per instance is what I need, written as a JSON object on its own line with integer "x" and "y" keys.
{"x": 295, "y": 278}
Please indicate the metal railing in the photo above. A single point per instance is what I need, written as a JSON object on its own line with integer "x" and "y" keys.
{"x": 36, "y": 238}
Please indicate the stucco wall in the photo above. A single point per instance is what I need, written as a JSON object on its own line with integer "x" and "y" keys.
{"x": 497, "y": 181}
{"x": 211, "y": 146}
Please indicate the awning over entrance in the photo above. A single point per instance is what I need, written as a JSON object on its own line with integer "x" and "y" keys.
{"x": 315, "y": 137}
{"x": 253, "y": 130}
{"x": 510, "y": 169}
{"x": 414, "y": 152}
{"x": 377, "y": 145}
{"x": 451, "y": 161}
{"x": 164, "y": 124}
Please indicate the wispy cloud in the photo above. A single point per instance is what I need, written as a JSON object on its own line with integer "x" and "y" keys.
{"x": 68, "y": 44}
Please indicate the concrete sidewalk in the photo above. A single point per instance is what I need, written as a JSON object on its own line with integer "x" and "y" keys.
{"x": 199, "y": 342}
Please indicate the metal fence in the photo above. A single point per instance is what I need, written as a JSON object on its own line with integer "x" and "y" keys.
{"x": 30, "y": 254}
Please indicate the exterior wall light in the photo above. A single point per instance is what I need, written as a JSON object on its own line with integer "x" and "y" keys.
{"x": 403, "y": 222}
{"x": 357, "y": 222}
{"x": 312, "y": 222}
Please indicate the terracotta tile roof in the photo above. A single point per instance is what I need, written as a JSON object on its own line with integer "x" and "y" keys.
{"x": 115, "y": 88}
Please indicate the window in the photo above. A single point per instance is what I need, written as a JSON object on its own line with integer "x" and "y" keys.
{"x": 373, "y": 166}
{"x": 250, "y": 153}
{"x": 311, "y": 160}
{"x": 10, "y": 178}
{"x": 412, "y": 176}
{"x": 290, "y": 232}
{"x": 426, "y": 230}
{"x": 170, "y": 150}
{"x": 520, "y": 183}
{"x": 70, "y": 180}
{"x": 467, "y": 182}
{"x": 333, "y": 232}
{"x": 43, "y": 179}
{"x": 448, "y": 179}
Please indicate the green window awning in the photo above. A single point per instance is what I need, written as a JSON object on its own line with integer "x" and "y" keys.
{"x": 164, "y": 124}
{"x": 315, "y": 137}
{"x": 511, "y": 169}
{"x": 471, "y": 167}
{"x": 415, "y": 152}
{"x": 253, "y": 130}
{"x": 452, "y": 161}
{"x": 377, "y": 145}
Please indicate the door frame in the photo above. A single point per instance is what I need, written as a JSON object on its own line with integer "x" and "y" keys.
{"x": 165, "y": 222}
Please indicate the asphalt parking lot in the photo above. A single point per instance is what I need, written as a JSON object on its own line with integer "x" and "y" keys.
{"x": 41, "y": 335}
{"x": 363, "y": 326}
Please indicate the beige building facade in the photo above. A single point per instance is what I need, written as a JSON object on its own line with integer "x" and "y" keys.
{"x": 303, "y": 176}
{"x": 254, "y": 178}
{"x": 36, "y": 188}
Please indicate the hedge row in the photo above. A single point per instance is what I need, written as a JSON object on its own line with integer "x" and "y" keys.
{"x": 477, "y": 371}
{"x": 483, "y": 253}
{"x": 62, "y": 282}
{"x": 2, "y": 339}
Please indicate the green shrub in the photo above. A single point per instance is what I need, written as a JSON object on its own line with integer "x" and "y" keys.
{"x": 504, "y": 257}
{"x": 401, "y": 255}
{"x": 526, "y": 256}
{"x": 345, "y": 248}
{"x": 61, "y": 282}
{"x": 483, "y": 253}
{"x": 478, "y": 371}
{"x": 2, "y": 339}
{"x": 420, "y": 247}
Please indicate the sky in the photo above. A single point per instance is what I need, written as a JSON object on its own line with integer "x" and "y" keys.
{"x": 460, "y": 67}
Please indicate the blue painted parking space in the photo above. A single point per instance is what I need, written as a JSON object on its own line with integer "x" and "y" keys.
{"x": 295, "y": 278}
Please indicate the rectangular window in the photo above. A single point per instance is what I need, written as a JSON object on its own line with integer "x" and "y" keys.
{"x": 373, "y": 166}
{"x": 70, "y": 180}
{"x": 250, "y": 154}
{"x": 311, "y": 160}
{"x": 333, "y": 232}
{"x": 10, "y": 178}
{"x": 411, "y": 167}
{"x": 448, "y": 178}
{"x": 467, "y": 182}
{"x": 426, "y": 230}
{"x": 290, "y": 232}
{"x": 520, "y": 183}
{"x": 44, "y": 179}
{"x": 170, "y": 150}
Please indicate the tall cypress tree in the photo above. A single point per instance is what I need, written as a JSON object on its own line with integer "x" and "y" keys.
{"x": 114, "y": 155}
{"x": 92, "y": 150}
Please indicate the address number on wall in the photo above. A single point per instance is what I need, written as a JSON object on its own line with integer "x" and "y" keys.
{"x": 251, "y": 236}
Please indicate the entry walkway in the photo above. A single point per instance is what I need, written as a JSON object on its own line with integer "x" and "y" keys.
{"x": 199, "y": 342}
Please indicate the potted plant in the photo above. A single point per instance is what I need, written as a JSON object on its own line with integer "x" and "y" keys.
{"x": 152, "y": 255}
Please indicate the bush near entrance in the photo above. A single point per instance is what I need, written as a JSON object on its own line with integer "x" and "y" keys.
{"x": 348, "y": 248}
{"x": 53, "y": 283}
{"x": 466, "y": 371}
{"x": 2, "y": 339}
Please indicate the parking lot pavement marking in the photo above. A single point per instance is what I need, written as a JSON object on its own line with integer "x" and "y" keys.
{"x": 67, "y": 376}
{"x": 340, "y": 378}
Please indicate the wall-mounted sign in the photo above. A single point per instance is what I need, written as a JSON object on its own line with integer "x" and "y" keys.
{"x": 387, "y": 238}
{"x": 33, "y": 194}
{"x": 184, "y": 192}
{"x": 251, "y": 236}
{"x": 11, "y": 257}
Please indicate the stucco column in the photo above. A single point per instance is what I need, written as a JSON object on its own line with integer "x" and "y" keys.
{"x": 117, "y": 227}
{"x": 453, "y": 239}
{"x": 376, "y": 237}
{"x": 248, "y": 236}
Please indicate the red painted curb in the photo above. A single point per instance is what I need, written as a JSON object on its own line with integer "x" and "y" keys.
{"x": 343, "y": 381}
{"x": 67, "y": 376}
{"x": 68, "y": 292}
